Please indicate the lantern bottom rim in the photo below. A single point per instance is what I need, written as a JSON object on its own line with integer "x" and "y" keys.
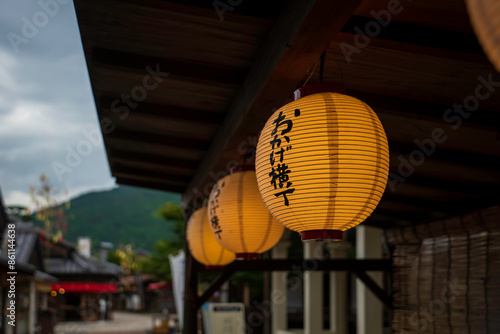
{"x": 322, "y": 235}
{"x": 247, "y": 256}
{"x": 214, "y": 267}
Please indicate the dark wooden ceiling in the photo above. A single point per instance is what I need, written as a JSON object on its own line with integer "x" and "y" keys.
{"x": 226, "y": 78}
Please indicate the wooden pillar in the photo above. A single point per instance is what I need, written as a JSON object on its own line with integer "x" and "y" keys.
{"x": 33, "y": 308}
{"x": 190, "y": 323}
{"x": 224, "y": 292}
{"x": 313, "y": 291}
{"x": 279, "y": 289}
{"x": 369, "y": 316}
{"x": 338, "y": 290}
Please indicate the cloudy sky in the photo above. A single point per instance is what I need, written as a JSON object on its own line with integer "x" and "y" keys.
{"x": 46, "y": 103}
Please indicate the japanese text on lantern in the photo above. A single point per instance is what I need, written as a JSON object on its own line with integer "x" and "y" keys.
{"x": 279, "y": 174}
{"x": 214, "y": 204}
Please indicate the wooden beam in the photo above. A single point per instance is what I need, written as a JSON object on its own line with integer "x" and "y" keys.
{"x": 149, "y": 184}
{"x": 163, "y": 112}
{"x": 374, "y": 288}
{"x": 299, "y": 36}
{"x": 410, "y": 108}
{"x": 414, "y": 48}
{"x": 104, "y": 58}
{"x": 418, "y": 35}
{"x": 121, "y": 169}
{"x": 417, "y": 202}
{"x": 487, "y": 192}
{"x": 215, "y": 285}
{"x": 309, "y": 265}
{"x": 388, "y": 216}
{"x": 150, "y": 178}
{"x": 242, "y": 11}
{"x": 153, "y": 160}
{"x": 385, "y": 222}
{"x": 468, "y": 159}
{"x": 164, "y": 140}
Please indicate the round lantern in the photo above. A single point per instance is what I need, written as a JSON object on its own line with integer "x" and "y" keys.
{"x": 322, "y": 163}
{"x": 239, "y": 218}
{"x": 202, "y": 245}
{"x": 485, "y": 19}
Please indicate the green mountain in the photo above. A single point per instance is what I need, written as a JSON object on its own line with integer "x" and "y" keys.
{"x": 122, "y": 215}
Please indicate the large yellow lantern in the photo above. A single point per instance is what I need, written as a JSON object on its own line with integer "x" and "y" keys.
{"x": 322, "y": 164}
{"x": 239, "y": 218}
{"x": 202, "y": 244}
{"x": 485, "y": 19}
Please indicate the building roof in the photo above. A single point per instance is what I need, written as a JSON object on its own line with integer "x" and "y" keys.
{"x": 25, "y": 244}
{"x": 222, "y": 73}
{"x": 77, "y": 264}
{"x": 26, "y": 239}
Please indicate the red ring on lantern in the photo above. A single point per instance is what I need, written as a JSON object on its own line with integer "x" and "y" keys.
{"x": 322, "y": 235}
{"x": 247, "y": 256}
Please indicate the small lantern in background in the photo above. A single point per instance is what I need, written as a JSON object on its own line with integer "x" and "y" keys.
{"x": 322, "y": 164}
{"x": 239, "y": 218}
{"x": 202, "y": 244}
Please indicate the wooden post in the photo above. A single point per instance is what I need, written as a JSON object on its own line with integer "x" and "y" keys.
{"x": 190, "y": 296}
{"x": 313, "y": 291}
{"x": 33, "y": 308}
{"x": 369, "y": 314}
{"x": 279, "y": 286}
{"x": 338, "y": 291}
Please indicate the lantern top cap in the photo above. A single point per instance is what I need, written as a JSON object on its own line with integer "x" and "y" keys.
{"x": 320, "y": 87}
{"x": 242, "y": 168}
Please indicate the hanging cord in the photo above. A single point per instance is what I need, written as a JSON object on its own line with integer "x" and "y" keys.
{"x": 322, "y": 68}
{"x": 310, "y": 75}
{"x": 340, "y": 71}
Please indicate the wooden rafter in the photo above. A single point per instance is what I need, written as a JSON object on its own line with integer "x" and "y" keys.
{"x": 299, "y": 36}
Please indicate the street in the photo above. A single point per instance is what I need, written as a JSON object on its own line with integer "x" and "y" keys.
{"x": 123, "y": 322}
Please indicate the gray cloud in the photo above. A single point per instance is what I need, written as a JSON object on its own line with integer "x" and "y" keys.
{"x": 45, "y": 104}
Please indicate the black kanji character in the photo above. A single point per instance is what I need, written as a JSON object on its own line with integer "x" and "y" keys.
{"x": 215, "y": 222}
{"x": 218, "y": 232}
{"x": 213, "y": 209}
{"x": 279, "y": 121}
{"x": 281, "y": 174}
{"x": 288, "y": 191}
{"x": 271, "y": 157}
{"x": 275, "y": 141}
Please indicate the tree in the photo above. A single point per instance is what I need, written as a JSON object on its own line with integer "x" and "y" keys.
{"x": 128, "y": 258}
{"x": 49, "y": 210}
{"x": 113, "y": 257}
{"x": 172, "y": 213}
{"x": 158, "y": 264}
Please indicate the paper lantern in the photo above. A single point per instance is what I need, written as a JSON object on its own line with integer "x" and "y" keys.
{"x": 202, "y": 244}
{"x": 485, "y": 19}
{"x": 322, "y": 163}
{"x": 239, "y": 218}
